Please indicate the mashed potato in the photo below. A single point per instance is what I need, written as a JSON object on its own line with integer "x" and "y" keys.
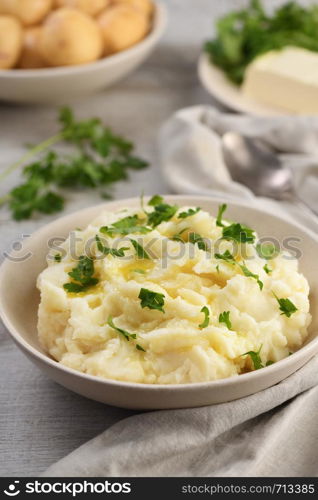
{"x": 170, "y": 302}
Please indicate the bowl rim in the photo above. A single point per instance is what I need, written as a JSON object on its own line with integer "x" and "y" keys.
{"x": 158, "y": 26}
{"x": 309, "y": 349}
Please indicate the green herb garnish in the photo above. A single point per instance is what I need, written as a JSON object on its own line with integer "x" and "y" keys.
{"x": 249, "y": 274}
{"x": 140, "y": 251}
{"x": 221, "y": 211}
{"x": 205, "y": 310}
{"x": 189, "y": 213}
{"x": 227, "y": 256}
{"x": 155, "y": 200}
{"x": 110, "y": 251}
{"x": 162, "y": 213}
{"x": 124, "y": 333}
{"x": 244, "y": 34}
{"x": 139, "y": 271}
{"x": 98, "y": 158}
{"x": 224, "y": 317}
{"x": 267, "y": 269}
{"x": 152, "y": 300}
{"x": 82, "y": 276}
{"x": 127, "y": 225}
{"x": 58, "y": 257}
{"x": 196, "y": 239}
{"x": 177, "y": 236}
{"x": 286, "y": 306}
{"x": 255, "y": 357}
{"x": 239, "y": 233}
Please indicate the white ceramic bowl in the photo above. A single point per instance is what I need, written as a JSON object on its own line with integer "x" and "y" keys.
{"x": 56, "y": 85}
{"x": 218, "y": 85}
{"x": 19, "y": 300}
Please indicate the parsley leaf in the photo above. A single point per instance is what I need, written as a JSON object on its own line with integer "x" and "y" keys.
{"x": 196, "y": 239}
{"x": 127, "y": 225}
{"x": 267, "y": 269}
{"x": 224, "y": 317}
{"x": 155, "y": 200}
{"x": 239, "y": 233}
{"x": 162, "y": 213}
{"x": 221, "y": 211}
{"x": 249, "y": 274}
{"x": 256, "y": 358}
{"x": 286, "y": 306}
{"x": 267, "y": 251}
{"x": 82, "y": 275}
{"x": 227, "y": 256}
{"x": 140, "y": 251}
{"x": 177, "y": 236}
{"x": 124, "y": 333}
{"x": 205, "y": 310}
{"x": 120, "y": 252}
{"x": 58, "y": 257}
{"x": 152, "y": 300}
{"x": 189, "y": 213}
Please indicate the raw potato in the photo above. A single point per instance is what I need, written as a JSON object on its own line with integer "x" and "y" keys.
{"x": 122, "y": 27}
{"x": 28, "y": 11}
{"x": 90, "y": 7}
{"x": 10, "y": 41}
{"x": 146, "y": 6}
{"x": 70, "y": 37}
{"x": 31, "y": 57}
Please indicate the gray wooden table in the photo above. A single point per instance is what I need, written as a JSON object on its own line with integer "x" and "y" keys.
{"x": 40, "y": 422}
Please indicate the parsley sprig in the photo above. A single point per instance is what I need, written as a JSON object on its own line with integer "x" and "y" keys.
{"x": 98, "y": 158}
{"x": 224, "y": 317}
{"x": 205, "y": 323}
{"x": 286, "y": 306}
{"x": 82, "y": 276}
{"x": 239, "y": 233}
{"x": 189, "y": 213}
{"x": 151, "y": 300}
{"x": 128, "y": 336}
{"x": 127, "y": 225}
{"x": 114, "y": 252}
{"x": 140, "y": 251}
{"x": 256, "y": 359}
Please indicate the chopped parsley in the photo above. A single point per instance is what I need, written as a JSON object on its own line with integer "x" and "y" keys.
{"x": 152, "y": 300}
{"x": 239, "y": 233}
{"x": 221, "y": 211}
{"x": 110, "y": 251}
{"x": 206, "y": 321}
{"x": 140, "y": 251}
{"x": 286, "y": 306}
{"x": 225, "y": 318}
{"x": 249, "y": 274}
{"x": 139, "y": 271}
{"x": 127, "y": 225}
{"x": 255, "y": 357}
{"x": 162, "y": 213}
{"x": 124, "y": 333}
{"x": 267, "y": 251}
{"x": 189, "y": 213}
{"x": 227, "y": 256}
{"x": 177, "y": 236}
{"x": 155, "y": 200}
{"x": 196, "y": 239}
{"x": 267, "y": 269}
{"x": 82, "y": 276}
{"x": 58, "y": 257}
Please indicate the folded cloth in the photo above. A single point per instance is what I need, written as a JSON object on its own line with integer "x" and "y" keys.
{"x": 270, "y": 433}
{"x": 192, "y": 161}
{"x": 254, "y": 436}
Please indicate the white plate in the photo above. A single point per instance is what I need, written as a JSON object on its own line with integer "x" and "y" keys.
{"x": 56, "y": 85}
{"x": 19, "y": 301}
{"x": 216, "y": 83}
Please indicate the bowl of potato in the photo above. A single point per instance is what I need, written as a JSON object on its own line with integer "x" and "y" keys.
{"x": 53, "y": 50}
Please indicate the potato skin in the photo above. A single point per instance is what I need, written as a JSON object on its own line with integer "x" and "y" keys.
{"x": 10, "y": 41}
{"x": 146, "y": 6}
{"x": 122, "y": 27}
{"x": 70, "y": 37}
{"x": 90, "y": 7}
{"x": 31, "y": 57}
{"x": 27, "y": 11}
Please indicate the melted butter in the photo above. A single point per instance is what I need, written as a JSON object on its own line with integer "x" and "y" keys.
{"x": 145, "y": 265}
